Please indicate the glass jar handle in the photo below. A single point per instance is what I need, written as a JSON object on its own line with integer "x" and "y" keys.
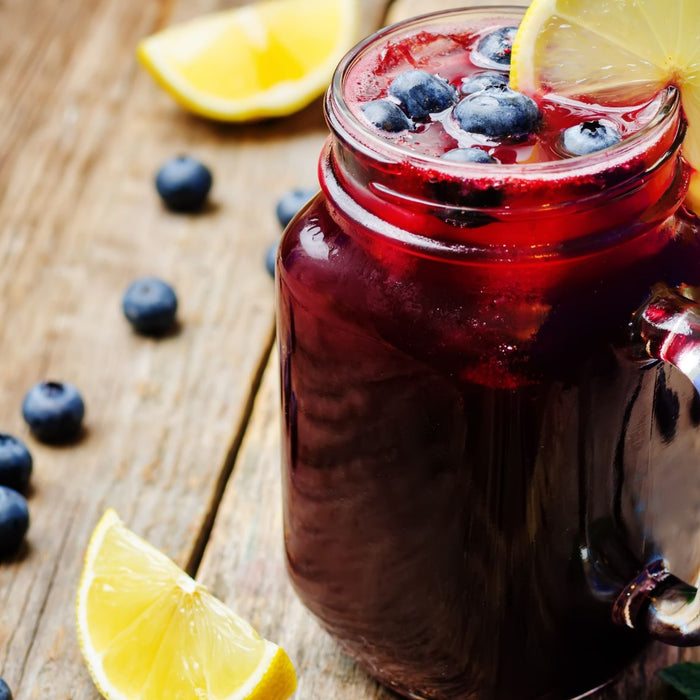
{"x": 666, "y": 328}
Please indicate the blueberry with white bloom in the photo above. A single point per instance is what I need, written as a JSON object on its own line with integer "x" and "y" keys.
{"x": 498, "y": 112}
{"x": 497, "y": 46}
{"x": 421, "y": 94}
{"x": 54, "y": 411}
{"x": 590, "y": 136}
{"x": 387, "y": 116}
{"x": 468, "y": 155}
{"x": 481, "y": 81}
{"x": 150, "y": 305}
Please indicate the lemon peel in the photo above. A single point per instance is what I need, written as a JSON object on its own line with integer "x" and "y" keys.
{"x": 147, "y": 630}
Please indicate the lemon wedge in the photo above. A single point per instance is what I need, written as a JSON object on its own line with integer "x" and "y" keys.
{"x": 149, "y": 631}
{"x": 265, "y": 59}
{"x": 621, "y": 51}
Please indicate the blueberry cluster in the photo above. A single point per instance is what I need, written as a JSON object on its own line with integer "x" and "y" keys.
{"x": 54, "y": 410}
{"x": 414, "y": 96}
{"x": 482, "y": 103}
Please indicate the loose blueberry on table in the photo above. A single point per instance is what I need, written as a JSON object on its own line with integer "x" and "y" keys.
{"x": 290, "y": 203}
{"x": 150, "y": 306}
{"x": 421, "y": 94}
{"x": 5, "y": 693}
{"x": 183, "y": 184}
{"x": 54, "y": 411}
{"x": 497, "y": 46}
{"x": 590, "y": 136}
{"x": 14, "y": 522}
{"x": 498, "y": 112}
{"x": 15, "y": 463}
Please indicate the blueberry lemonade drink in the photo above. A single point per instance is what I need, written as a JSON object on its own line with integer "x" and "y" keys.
{"x": 488, "y": 342}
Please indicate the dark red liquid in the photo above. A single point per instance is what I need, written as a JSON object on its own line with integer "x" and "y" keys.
{"x": 468, "y": 442}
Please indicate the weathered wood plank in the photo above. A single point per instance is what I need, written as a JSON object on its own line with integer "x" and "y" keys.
{"x": 84, "y": 130}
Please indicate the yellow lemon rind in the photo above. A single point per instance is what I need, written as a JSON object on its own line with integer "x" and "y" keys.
{"x": 281, "y": 99}
{"x": 107, "y": 521}
{"x": 277, "y": 679}
{"x": 273, "y": 679}
{"x": 666, "y": 69}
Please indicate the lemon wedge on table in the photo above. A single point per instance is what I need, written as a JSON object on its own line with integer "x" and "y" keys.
{"x": 264, "y": 59}
{"x": 149, "y": 631}
{"x": 621, "y": 51}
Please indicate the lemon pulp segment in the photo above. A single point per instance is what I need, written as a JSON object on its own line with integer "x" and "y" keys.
{"x": 147, "y": 630}
{"x": 618, "y": 51}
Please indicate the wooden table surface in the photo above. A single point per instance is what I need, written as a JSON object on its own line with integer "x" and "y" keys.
{"x": 182, "y": 433}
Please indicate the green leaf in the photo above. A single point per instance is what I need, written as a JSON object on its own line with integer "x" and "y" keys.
{"x": 685, "y": 678}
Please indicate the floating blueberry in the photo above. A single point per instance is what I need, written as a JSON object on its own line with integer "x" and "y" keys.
{"x": 150, "y": 305}
{"x": 270, "y": 258}
{"x": 497, "y": 46}
{"x": 590, "y": 136}
{"x": 14, "y": 523}
{"x": 498, "y": 112}
{"x": 421, "y": 93}
{"x": 54, "y": 411}
{"x": 481, "y": 81}
{"x": 387, "y": 116}
{"x": 5, "y": 693}
{"x": 290, "y": 203}
{"x": 183, "y": 183}
{"x": 15, "y": 464}
{"x": 468, "y": 155}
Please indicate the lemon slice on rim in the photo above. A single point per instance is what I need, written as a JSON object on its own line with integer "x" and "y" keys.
{"x": 149, "y": 631}
{"x": 265, "y": 59}
{"x": 621, "y": 51}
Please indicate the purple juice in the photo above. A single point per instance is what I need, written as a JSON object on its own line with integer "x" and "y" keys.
{"x": 469, "y": 439}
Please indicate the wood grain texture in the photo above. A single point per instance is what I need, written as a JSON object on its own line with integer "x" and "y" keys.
{"x": 84, "y": 130}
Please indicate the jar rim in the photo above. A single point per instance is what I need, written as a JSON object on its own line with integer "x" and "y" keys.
{"x": 345, "y": 123}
